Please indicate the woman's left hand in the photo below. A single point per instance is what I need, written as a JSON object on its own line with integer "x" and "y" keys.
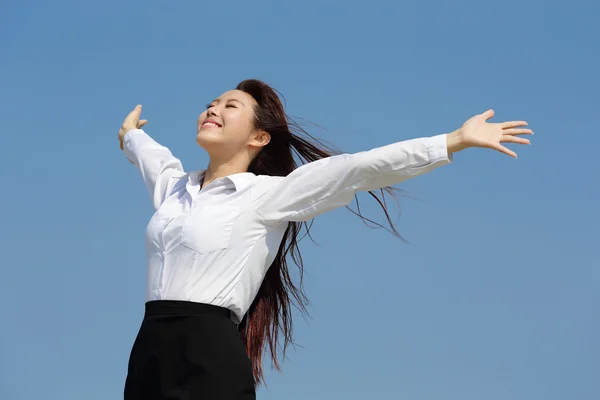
{"x": 477, "y": 132}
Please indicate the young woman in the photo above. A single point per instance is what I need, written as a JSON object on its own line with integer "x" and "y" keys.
{"x": 218, "y": 286}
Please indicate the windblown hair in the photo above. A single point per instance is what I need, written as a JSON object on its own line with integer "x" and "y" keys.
{"x": 270, "y": 314}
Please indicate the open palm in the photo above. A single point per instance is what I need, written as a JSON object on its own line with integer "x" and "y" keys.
{"x": 478, "y": 132}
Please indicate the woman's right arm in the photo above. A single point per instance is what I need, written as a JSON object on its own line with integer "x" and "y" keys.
{"x": 159, "y": 168}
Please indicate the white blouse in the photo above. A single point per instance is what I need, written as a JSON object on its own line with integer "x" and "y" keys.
{"x": 215, "y": 244}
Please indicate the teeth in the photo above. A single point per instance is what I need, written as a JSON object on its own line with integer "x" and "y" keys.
{"x": 211, "y": 124}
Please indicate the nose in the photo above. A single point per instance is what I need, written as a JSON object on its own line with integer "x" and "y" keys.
{"x": 212, "y": 111}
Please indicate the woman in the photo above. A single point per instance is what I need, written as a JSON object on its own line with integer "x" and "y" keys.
{"x": 218, "y": 286}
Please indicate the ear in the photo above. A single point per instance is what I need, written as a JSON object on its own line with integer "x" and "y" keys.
{"x": 259, "y": 139}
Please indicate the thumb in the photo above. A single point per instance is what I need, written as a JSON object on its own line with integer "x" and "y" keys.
{"x": 488, "y": 114}
{"x": 142, "y": 122}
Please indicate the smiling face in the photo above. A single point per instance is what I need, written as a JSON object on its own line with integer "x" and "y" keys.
{"x": 226, "y": 129}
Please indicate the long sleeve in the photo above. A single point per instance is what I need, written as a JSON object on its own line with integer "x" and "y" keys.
{"x": 332, "y": 182}
{"x": 159, "y": 168}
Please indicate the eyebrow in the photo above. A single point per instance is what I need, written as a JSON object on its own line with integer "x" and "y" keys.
{"x": 237, "y": 101}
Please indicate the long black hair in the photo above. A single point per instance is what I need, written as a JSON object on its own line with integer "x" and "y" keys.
{"x": 270, "y": 314}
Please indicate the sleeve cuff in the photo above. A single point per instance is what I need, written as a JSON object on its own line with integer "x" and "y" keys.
{"x": 131, "y": 136}
{"x": 132, "y": 142}
{"x": 438, "y": 149}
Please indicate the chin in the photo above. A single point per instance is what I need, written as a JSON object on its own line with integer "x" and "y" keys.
{"x": 205, "y": 140}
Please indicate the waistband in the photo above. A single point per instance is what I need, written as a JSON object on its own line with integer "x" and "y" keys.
{"x": 180, "y": 307}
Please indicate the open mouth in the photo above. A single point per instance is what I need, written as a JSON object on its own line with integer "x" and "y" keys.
{"x": 210, "y": 123}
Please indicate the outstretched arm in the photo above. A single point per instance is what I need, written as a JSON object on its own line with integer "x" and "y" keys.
{"x": 332, "y": 182}
{"x": 159, "y": 168}
{"x": 320, "y": 186}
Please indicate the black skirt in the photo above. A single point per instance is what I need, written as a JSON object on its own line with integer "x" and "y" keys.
{"x": 186, "y": 351}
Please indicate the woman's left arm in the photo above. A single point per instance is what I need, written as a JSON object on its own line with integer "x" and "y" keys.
{"x": 332, "y": 182}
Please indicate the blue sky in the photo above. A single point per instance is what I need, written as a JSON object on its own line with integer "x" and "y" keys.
{"x": 496, "y": 296}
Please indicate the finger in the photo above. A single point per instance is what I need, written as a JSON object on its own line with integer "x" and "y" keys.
{"x": 513, "y": 124}
{"x": 517, "y": 131}
{"x": 142, "y": 122}
{"x": 504, "y": 150}
{"x": 134, "y": 114}
{"x": 137, "y": 111}
{"x": 514, "y": 139}
{"x": 488, "y": 114}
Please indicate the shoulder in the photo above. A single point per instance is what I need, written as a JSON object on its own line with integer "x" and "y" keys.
{"x": 267, "y": 181}
{"x": 179, "y": 180}
{"x": 262, "y": 184}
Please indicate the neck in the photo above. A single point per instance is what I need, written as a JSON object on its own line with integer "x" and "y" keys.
{"x": 217, "y": 170}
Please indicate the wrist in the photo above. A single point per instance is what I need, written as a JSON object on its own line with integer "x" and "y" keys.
{"x": 454, "y": 142}
{"x": 122, "y": 133}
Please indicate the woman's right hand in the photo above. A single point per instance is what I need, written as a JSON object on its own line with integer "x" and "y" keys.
{"x": 132, "y": 121}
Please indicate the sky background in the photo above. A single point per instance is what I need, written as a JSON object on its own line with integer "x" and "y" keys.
{"x": 497, "y": 295}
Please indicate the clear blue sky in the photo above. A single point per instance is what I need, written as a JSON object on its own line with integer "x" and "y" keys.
{"x": 497, "y": 295}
